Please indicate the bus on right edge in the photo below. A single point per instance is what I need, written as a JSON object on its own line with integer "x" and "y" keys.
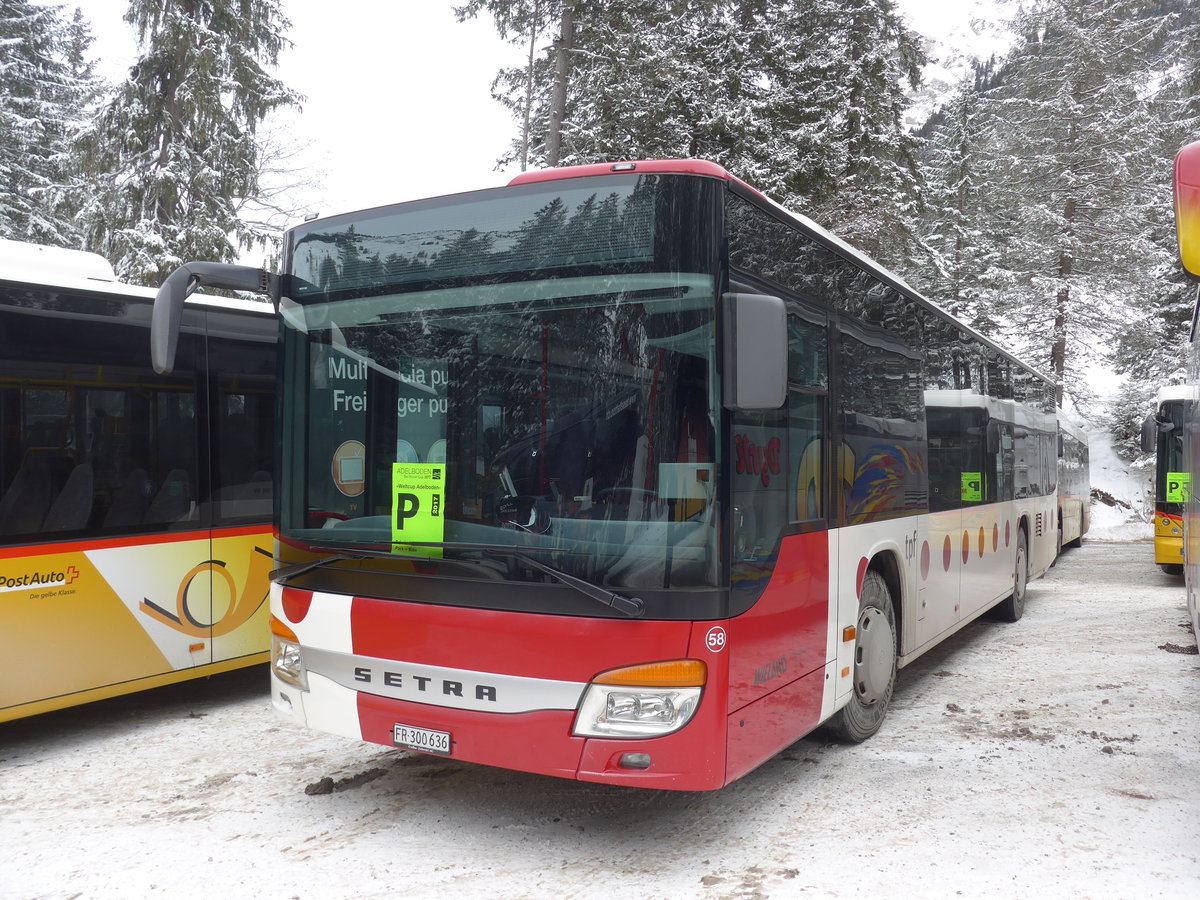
{"x": 1187, "y": 225}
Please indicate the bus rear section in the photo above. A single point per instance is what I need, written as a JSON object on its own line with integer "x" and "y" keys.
{"x": 625, "y": 474}
{"x": 135, "y": 508}
{"x": 1074, "y": 484}
{"x": 1163, "y": 434}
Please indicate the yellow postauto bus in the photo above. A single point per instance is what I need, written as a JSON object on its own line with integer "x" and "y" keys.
{"x": 1162, "y": 435}
{"x": 135, "y": 508}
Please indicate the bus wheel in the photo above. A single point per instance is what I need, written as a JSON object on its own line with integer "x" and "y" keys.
{"x": 874, "y": 670}
{"x": 1013, "y": 608}
{"x": 1171, "y": 568}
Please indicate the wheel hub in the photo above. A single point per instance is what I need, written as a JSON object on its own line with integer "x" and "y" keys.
{"x": 874, "y": 656}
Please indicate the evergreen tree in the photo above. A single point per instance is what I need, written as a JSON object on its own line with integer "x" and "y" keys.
{"x": 832, "y": 118}
{"x": 955, "y": 248}
{"x": 1074, "y": 182}
{"x": 81, "y": 97}
{"x": 176, "y": 151}
{"x": 44, "y": 85}
{"x": 804, "y": 98}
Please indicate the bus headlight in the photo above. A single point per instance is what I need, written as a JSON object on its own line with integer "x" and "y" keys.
{"x": 641, "y": 701}
{"x": 287, "y": 662}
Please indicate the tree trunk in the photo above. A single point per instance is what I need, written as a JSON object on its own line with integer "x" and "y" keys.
{"x": 533, "y": 34}
{"x": 562, "y": 72}
{"x": 1066, "y": 263}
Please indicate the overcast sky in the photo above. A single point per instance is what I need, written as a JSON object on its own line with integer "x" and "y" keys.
{"x": 398, "y": 93}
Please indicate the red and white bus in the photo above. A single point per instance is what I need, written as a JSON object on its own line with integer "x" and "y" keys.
{"x": 135, "y": 508}
{"x": 623, "y": 473}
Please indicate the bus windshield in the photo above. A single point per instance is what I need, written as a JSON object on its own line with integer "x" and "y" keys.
{"x": 529, "y": 369}
{"x": 1170, "y": 466}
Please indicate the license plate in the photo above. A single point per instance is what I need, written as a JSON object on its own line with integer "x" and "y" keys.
{"x": 422, "y": 739}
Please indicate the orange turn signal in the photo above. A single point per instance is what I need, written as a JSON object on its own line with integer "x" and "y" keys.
{"x": 279, "y": 629}
{"x": 672, "y": 673}
{"x": 849, "y": 633}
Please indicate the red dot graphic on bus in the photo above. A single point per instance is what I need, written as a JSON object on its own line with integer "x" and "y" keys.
{"x": 296, "y": 604}
{"x": 966, "y": 548}
{"x": 924, "y": 559}
{"x": 862, "y": 574}
{"x": 946, "y": 551}
{"x": 981, "y": 540}
{"x": 995, "y": 538}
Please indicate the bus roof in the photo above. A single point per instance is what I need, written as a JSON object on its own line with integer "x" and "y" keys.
{"x": 35, "y": 262}
{"x": 1068, "y": 427}
{"x": 1170, "y": 393}
{"x": 79, "y": 270}
{"x": 713, "y": 170}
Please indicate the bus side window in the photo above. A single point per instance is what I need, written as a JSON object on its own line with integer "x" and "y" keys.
{"x": 808, "y": 379}
{"x": 760, "y": 481}
{"x": 243, "y": 420}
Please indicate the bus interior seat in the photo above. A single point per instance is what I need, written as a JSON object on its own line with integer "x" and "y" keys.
{"x": 173, "y": 501}
{"x": 130, "y": 501}
{"x": 72, "y": 507}
{"x": 24, "y": 504}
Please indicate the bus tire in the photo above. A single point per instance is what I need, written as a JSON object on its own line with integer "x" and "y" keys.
{"x": 874, "y": 667}
{"x": 1175, "y": 569}
{"x": 1013, "y": 607}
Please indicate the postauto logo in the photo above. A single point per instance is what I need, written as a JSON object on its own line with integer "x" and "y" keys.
{"x": 32, "y": 580}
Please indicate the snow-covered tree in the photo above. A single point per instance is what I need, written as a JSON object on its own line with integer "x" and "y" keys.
{"x": 833, "y": 117}
{"x": 804, "y": 98}
{"x": 1074, "y": 181}
{"x": 956, "y": 251}
{"x": 176, "y": 151}
{"x": 45, "y": 85}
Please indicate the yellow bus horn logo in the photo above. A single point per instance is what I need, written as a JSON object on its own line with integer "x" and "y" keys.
{"x": 240, "y": 610}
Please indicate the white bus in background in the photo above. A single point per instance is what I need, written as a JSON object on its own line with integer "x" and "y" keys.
{"x": 1074, "y": 484}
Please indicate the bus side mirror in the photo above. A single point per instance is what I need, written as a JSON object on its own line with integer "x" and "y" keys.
{"x": 168, "y": 303}
{"x": 1149, "y": 434}
{"x": 754, "y": 345}
{"x": 993, "y": 437}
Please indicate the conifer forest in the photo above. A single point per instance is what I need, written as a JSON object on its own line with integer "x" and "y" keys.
{"x": 1031, "y": 198}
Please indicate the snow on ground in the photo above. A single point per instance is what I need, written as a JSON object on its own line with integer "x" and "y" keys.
{"x": 1057, "y": 757}
{"x": 1132, "y": 518}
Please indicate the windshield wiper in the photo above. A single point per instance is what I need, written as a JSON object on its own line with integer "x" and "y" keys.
{"x": 284, "y": 574}
{"x": 630, "y": 606}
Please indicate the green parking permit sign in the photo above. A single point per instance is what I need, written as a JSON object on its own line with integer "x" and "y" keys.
{"x": 972, "y": 486}
{"x": 418, "y": 501}
{"x": 1179, "y": 487}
